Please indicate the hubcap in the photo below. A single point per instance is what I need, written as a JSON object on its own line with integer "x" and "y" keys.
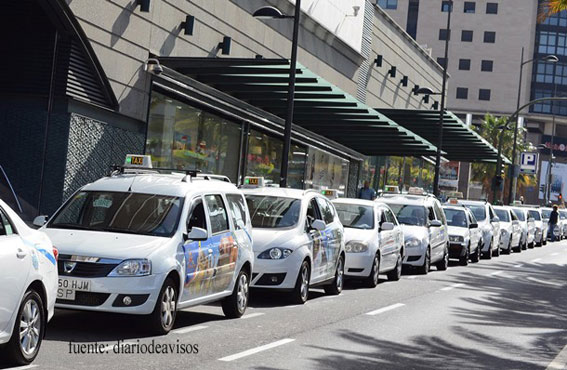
{"x": 30, "y": 328}
{"x": 168, "y": 307}
{"x": 304, "y": 282}
{"x": 340, "y": 274}
{"x": 242, "y": 294}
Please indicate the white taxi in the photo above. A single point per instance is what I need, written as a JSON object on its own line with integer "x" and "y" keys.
{"x": 510, "y": 230}
{"x": 146, "y": 243}
{"x": 28, "y": 277}
{"x": 298, "y": 240}
{"x": 374, "y": 240}
{"x": 465, "y": 238}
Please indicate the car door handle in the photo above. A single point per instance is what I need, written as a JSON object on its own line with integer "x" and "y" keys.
{"x": 21, "y": 253}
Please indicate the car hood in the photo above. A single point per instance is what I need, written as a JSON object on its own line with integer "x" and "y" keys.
{"x": 418, "y": 232}
{"x": 458, "y": 231}
{"x": 359, "y": 234}
{"x": 268, "y": 238}
{"x": 104, "y": 244}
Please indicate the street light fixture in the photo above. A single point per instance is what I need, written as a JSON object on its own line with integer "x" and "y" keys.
{"x": 514, "y": 183}
{"x": 270, "y": 12}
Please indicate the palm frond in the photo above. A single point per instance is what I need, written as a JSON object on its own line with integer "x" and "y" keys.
{"x": 550, "y": 7}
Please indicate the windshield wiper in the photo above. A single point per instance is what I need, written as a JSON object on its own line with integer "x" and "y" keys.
{"x": 69, "y": 226}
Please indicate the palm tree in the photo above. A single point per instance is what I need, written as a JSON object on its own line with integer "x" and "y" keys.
{"x": 550, "y": 7}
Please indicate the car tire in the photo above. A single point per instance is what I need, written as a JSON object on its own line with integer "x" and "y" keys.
{"x": 488, "y": 254}
{"x": 464, "y": 260}
{"x": 509, "y": 249}
{"x": 300, "y": 293}
{"x": 235, "y": 304}
{"x": 163, "y": 316}
{"x": 424, "y": 269}
{"x": 496, "y": 252}
{"x": 31, "y": 313}
{"x": 372, "y": 279}
{"x": 336, "y": 287}
{"x": 444, "y": 263}
{"x": 525, "y": 245}
{"x": 476, "y": 256}
{"x": 396, "y": 273}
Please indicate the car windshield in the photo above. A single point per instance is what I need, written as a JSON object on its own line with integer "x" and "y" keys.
{"x": 409, "y": 214}
{"x": 478, "y": 211}
{"x": 355, "y": 216}
{"x": 520, "y": 214}
{"x": 502, "y": 214}
{"x": 535, "y": 215}
{"x": 456, "y": 217}
{"x": 562, "y": 215}
{"x": 271, "y": 212}
{"x": 132, "y": 213}
{"x": 546, "y": 213}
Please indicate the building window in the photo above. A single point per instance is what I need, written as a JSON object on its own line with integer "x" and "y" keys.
{"x": 489, "y": 37}
{"x": 464, "y": 64}
{"x": 443, "y": 33}
{"x": 470, "y": 6}
{"x": 462, "y": 93}
{"x": 557, "y": 19}
{"x": 486, "y": 65}
{"x": 484, "y": 94}
{"x": 325, "y": 171}
{"x": 491, "y": 8}
{"x": 550, "y": 72}
{"x": 445, "y": 6}
{"x": 552, "y": 43}
{"x": 388, "y": 4}
{"x": 441, "y": 61}
{"x": 413, "y": 12}
{"x": 466, "y": 36}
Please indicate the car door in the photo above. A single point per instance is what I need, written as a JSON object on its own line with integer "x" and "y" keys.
{"x": 434, "y": 233}
{"x": 495, "y": 227}
{"x": 332, "y": 235}
{"x": 474, "y": 234}
{"x": 387, "y": 240}
{"x": 16, "y": 261}
{"x": 318, "y": 252}
{"x": 242, "y": 225}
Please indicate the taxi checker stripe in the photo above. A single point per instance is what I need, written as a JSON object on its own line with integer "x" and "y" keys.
{"x": 47, "y": 255}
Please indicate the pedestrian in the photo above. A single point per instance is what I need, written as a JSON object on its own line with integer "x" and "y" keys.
{"x": 366, "y": 192}
{"x": 553, "y": 217}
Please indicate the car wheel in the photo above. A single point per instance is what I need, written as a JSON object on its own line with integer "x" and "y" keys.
{"x": 509, "y": 249}
{"x": 496, "y": 252}
{"x": 488, "y": 254}
{"x": 424, "y": 269}
{"x": 29, "y": 329}
{"x": 476, "y": 256}
{"x": 235, "y": 304}
{"x": 372, "y": 279}
{"x": 525, "y": 245}
{"x": 464, "y": 260}
{"x": 444, "y": 263}
{"x": 336, "y": 287}
{"x": 165, "y": 311}
{"x": 396, "y": 273}
{"x": 300, "y": 293}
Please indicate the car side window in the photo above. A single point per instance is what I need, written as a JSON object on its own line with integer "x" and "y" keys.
{"x": 491, "y": 213}
{"x": 312, "y": 212}
{"x": 391, "y": 217}
{"x": 6, "y": 226}
{"x": 326, "y": 211}
{"x": 238, "y": 213}
{"x": 470, "y": 218}
{"x": 217, "y": 213}
{"x": 440, "y": 213}
{"x": 431, "y": 213}
{"x": 388, "y": 216}
{"x": 197, "y": 216}
{"x": 514, "y": 217}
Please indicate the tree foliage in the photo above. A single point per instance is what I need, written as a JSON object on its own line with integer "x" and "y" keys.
{"x": 549, "y": 7}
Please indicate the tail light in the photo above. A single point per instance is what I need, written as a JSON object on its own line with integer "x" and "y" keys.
{"x": 55, "y": 253}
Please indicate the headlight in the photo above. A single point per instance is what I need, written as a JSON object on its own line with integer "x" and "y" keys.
{"x": 412, "y": 243}
{"x": 275, "y": 254}
{"x": 134, "y": 267}
{"x": 356, "y": 247}
{"x": 456, "y": 239}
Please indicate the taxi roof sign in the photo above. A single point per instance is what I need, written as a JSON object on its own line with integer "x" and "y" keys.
{"x": 138, "y": 161}
{"x": 392, "y": 189}
{"x": 453, "y": 201}
{"x": 330, "y": 193}
{"x": 253, "y": 182}
{"x": 414, "y": 190}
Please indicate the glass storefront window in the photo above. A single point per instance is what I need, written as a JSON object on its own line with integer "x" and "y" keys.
{"x": 326, "y": 171}
{"x": 181, "y": 136}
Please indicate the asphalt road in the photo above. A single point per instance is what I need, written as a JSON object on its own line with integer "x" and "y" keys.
{"x": 507, "y": 313}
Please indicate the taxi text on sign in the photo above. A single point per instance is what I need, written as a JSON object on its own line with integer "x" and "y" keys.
{"x": 528, "y": 163}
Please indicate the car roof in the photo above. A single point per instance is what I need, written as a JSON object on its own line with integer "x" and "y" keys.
{"x": 156, "y": 183}
{"x": 474, "y": 202}
{"x": 418, "y": 200}
{"x": 361, "y": 202}
{"x": 280, "y": 192}
{"x": 456, "y": 208}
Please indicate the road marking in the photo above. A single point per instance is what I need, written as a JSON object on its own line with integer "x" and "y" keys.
{"x": 256, "y": 350}
{"x": 554, "y": 254}
{"x": 560, "y": 361}
{"x": 537, "y": 259}
{"x": 412, "y": 277}
{"x": 251, "y": 315}
{"x": 495, "y": 273}
{"x": 519, "y": 265}
{"x": 450, "y": 287}
{"x": 385, "y": 309}
{"x": 189, "y": 329}
{"x": 21, "y": 367}
{"x": 544, "y": 282}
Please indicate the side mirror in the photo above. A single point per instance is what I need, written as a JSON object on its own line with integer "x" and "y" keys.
{"x": 435, "y": 223}
{"x": 387, "y": 226}
{"x": 196, "y": 234}
{"x": 495, "y": 219}
{"x": 39, "y": 221}
{"x": 318, "y": 225}
{"x": 473, "y": 226}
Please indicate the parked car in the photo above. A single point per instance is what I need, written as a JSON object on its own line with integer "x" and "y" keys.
{"x": 563, "y": 223}
{"x": 145, "y": 243}
{"x": 374, "y": 241}
{"x": 489, "y": 223}
{"x": 298, "y": 240}
{"x": 510, "y": 230}
{"x": 540, "y": 226}
{"x": 527, "y": 226}
{"x": 28, "y": 277}
{"x": 465, "y": 237}
{"x": 425, "y": 230}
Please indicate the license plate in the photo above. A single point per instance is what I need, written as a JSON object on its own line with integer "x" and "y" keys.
{"x": 68, "y": 287}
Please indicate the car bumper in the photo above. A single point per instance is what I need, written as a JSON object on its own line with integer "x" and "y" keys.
{"x": 457, "y": 250}
{"x": 277, "y": 274}
{"x": 358, "y": 264}
{"x": 106, "y": 295}
{"x": 414, "y": 256}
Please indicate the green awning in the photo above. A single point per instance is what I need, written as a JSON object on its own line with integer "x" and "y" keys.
{"x": 319, "y": 106}
{"x": 460, "y": 143}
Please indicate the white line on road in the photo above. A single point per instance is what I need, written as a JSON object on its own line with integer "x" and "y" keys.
{"x": 21, "y": 367}
{"x": 537, "y": 259}
{"x": 385, "y": 309}
{"x": 554, "y": 254}
{"x": 559, "y": 362}
{"x": 251, "y": 315}
{"x": 495, "y": 273}
{"x": 519, "y": 265}
{"x": 256, "y": 350}
{"x": 412, "y": 277}
{"x": 189, "y": 329}
{"x": 450, "y": 287}
{"x": 544, "y": 282}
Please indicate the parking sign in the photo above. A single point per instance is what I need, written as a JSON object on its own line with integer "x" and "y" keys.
{"x": 528, "y": 163}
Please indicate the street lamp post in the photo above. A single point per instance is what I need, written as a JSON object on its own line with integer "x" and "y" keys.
{"x": 514, "y": 182}
{"x": 273, "y": 13}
